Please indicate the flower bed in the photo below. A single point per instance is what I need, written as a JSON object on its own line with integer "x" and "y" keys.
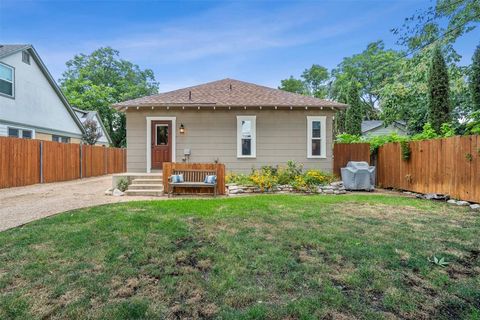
{"x": 291, "y": 178}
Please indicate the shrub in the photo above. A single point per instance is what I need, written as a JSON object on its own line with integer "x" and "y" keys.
{"x": 299, "y": 183}
{"x": 348, "y": 138}
{"x": 287, "y": 175}
{"x": 317, "y": 177}
{"x": 240, "y": 179}
{"x": 265, "y": 181}
{"x": 122, "y": 184}
{"x": 427, "y": 133}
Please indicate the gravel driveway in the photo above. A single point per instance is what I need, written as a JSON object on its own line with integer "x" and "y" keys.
{"x": 24, "y": 204}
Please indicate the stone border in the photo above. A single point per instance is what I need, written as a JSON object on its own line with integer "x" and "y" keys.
{"x": 442, "y": 197}
{"x": 333, "y": 188}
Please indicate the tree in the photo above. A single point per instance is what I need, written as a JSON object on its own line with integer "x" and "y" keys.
{"x": 92, "y": 132}
{"x": 438, "y": 91}
{"x": 353, "y": 116}
{"x": 475, "y": 80}
{"x": 97, "y": 80}
{"x": 292, "y": 85}
{"x": 372, "y": 69}
{"x": 426, "y": 26}
{"x": 314, "y": 80}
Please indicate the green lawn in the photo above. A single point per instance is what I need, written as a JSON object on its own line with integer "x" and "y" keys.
{"x": 262, "y": 257}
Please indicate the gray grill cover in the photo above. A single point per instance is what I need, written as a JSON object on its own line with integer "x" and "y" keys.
{"x": 358, "y": 175}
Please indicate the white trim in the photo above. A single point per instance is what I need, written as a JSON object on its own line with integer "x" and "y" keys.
{"x": 323, "y": 133}
{"x": 253, "y": 119}
{"x": 149, "y": 138}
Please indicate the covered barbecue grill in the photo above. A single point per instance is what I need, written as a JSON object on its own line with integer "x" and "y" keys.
{"x": 358, "y": 175}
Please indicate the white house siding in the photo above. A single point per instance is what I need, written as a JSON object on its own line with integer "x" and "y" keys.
{"x": 36, "y": 104}
{"x": 281, "y": 135}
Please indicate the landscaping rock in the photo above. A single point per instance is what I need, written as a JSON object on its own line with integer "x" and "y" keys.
{"x": 451, "y": 201}
{"x": 435, "y": 196}
{"x": 109, "y": 192}
{"x": 337, "y": 184}
{"x": 328, "y": 191}
{"x": 475, "y": 206}
{"x": 462, "y": 203}
{"x": 235, "y": 191}
{"x": 117, "y": 193}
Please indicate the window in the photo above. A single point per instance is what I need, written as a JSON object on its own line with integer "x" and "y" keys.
{"x": 25, "y": 57}
{"x": 316, "y": 135}
{"x": 246, "y": 137}
{"x": 6, "y": 80}
{"x": 60, "y": 139}
{"x": 161, "y": 134}
{"x": 20, "y": 133}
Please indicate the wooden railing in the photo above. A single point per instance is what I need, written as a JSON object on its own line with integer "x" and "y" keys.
{"x": 219, "y": 168}
{"x": 24, "y": 162}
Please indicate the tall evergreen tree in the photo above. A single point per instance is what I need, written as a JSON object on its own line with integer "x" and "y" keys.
{"x": 438, "y": 94}
{"x": 354, "y": 114}
{"x": 475, "y": 80}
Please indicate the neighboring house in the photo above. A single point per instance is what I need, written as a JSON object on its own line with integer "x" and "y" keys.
{"x": 240, "y": 124}
{"x": 377, "y": 128}
{"x": 32, "y": 106}
{"x": 87, "y": 115}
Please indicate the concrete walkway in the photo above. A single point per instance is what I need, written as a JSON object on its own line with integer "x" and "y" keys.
{"x": 24, "y": 204}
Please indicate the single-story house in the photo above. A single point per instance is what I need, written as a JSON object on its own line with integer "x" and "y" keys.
{"x": 88, "y": 115}
{"x": 32, "y": 106}
{"x": 240, "y": 124}
{"x": 378, "y": 128}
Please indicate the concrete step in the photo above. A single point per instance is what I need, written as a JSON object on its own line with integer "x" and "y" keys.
{"x": 145, "y": 186}
{"x": 148, "y": 193}
{"x": 147, "y": 181}
{"x": 148, "y": 177}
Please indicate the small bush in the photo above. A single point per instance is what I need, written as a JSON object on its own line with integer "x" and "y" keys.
{"x": 265, "y": 181}
{"x": 287, "y": 175}
{"x": 318, "y": 178}
{"x": 240, "y": 179}
{"x": 348, "y": 138}
{"x": 122, "y": 184}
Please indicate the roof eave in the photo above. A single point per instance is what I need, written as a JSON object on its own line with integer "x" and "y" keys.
{"x": 122, "y": 107}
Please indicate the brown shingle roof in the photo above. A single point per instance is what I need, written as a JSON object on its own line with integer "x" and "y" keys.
{"x": 228, "y": 93}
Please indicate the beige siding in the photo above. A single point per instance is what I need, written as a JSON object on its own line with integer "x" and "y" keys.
{"x": 211, "y": 135}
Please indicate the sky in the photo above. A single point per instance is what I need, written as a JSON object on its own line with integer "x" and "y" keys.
{"x": 191, "y": 42}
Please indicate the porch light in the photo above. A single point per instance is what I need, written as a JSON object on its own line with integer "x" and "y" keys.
{"x": 182, "y": 129}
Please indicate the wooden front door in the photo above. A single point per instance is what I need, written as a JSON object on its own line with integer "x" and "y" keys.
{"x": 161, "y": 143}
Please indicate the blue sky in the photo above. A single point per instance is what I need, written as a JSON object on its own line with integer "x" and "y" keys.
{"x": 191, "y": 42}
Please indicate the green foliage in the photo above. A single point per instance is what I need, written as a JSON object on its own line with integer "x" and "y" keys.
{"x": 292, "y": 85}
{"x": 353, "y": 116}
{"x": 438, "y": 89}
{"x": 475, "y": 80}
{"x": 406, "y": 151}
{"x": 122, "y": 184}
{"x": 287, "y": 175}
{"x": 447, "y": 130}
{"x": 340, "y": 118}
{"x": 239, "y": 179}
{"x": 473, "y": 126}
{"x": 102, "y": 78}
{"x": 378, "y": 141}
{"x": 313, "y": 82}
{"x": 427, "y": 133}
{"x": 264, "y": 180}
{"x": 348, "y": 138}
{"x": 439, "y": 262}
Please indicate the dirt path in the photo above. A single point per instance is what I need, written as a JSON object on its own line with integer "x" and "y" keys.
{"x": 24, "y": 204}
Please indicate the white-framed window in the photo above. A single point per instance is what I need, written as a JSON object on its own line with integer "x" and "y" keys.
{"x": 20, "y": 133}
{"x": 246, "y": 137}
{"x": 26, "y": 57}
{"x": 7, "y": 80}
{"x": 316, "y": 137}
{"x": 61, "y": 139}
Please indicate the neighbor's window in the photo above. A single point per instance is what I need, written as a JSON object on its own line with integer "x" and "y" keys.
{"x": 246, "y": 137}
{"x": 316, "y": 137}
{"x": 25, "y": 57}
{"x": 20, "y": 133}
{"x": 61, "y": 139}
{"x": 7, "y": 80}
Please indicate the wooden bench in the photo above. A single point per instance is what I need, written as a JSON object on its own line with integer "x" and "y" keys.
{"x": 192, "y": 178}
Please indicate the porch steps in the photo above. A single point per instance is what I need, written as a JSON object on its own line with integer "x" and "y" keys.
{"x": 146, "y": 185}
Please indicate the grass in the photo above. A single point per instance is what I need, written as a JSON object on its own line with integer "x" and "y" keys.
{"x": 262, "y": 257}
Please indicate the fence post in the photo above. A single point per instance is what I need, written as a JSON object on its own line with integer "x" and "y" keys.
{"x": 81, "y": 160}
{"x": 105, "y": 161}
{"x": 41, "y": 162}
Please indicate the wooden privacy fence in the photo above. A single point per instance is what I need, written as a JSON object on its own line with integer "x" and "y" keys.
{"x": 448, "y": 166}
{"x": 344, "y": 152}
{"x": 219, "y": 168}
{"x": 24, "y": 162}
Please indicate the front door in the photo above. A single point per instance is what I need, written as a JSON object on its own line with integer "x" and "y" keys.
{"x": 161, "y": 143}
